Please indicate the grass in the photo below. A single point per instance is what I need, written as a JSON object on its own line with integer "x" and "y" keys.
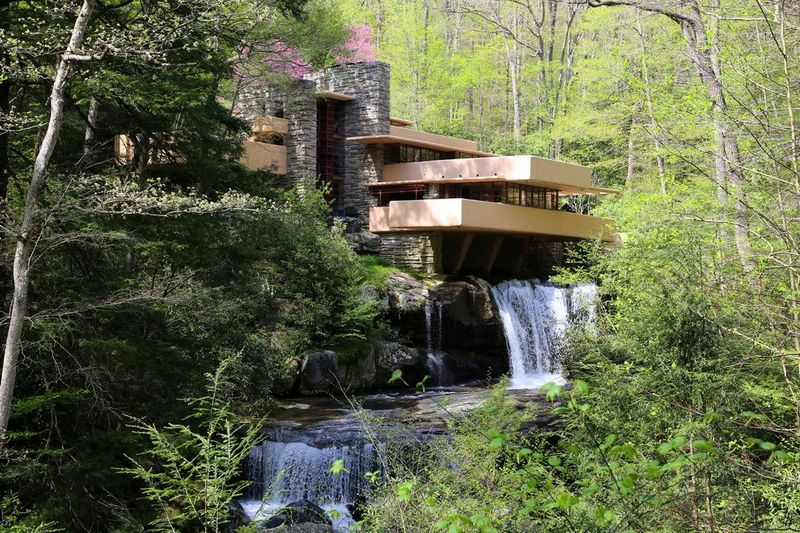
{"x": 376, "y": 270}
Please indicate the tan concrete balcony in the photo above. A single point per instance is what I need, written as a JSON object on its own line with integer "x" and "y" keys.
{"x": 473, "y": 216}
{"x": 256, "y": 155}
{"x": 264, "y": 156}
{"x": 567, "y": 178}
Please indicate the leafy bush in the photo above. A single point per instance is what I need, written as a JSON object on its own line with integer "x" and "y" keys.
{"x": 190, "y": 471}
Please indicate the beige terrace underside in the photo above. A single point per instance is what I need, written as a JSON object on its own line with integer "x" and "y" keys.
{"x": 462, "y": 215}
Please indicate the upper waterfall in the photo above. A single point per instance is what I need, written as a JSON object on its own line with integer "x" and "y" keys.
{"x": 535, "y": 319}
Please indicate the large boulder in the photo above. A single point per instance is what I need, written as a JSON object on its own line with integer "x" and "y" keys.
{"x": 358, "y": 373}
{"x": 319, "y": 373}
{"x": 481, "y": 302}
{"x": 405, "y": 293}
{"x": 348, "y": 224}
{"x": 239, "y": 516}
{"x": 454, "y": 324}
{"x": 296, "y": 517}
{"x": 300, "y": 528}
{"x": 467, "y": 302}
{"x": 364, "y": 242}
{"x": 391, "y": 356}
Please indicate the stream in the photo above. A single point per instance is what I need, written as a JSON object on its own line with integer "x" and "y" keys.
{"x": 307, "y": 434}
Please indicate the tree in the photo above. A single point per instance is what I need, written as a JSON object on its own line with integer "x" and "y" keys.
{"x": 705, "y": 58}
{"x": 26, "y": 233}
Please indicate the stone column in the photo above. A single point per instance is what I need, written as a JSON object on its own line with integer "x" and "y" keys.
{"x": 300, "y": 106}
{"x": 366, "y": 114}
{"x": 250, "y": 100}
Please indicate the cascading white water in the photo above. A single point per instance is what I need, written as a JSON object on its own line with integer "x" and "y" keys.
{"x": 285, "y": 472}
{"x": 535, "y": 319}
{"x": 583, "y": 304}
{"x": 434, "y": 357}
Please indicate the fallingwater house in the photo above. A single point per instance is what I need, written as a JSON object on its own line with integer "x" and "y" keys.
{"x": 422, "y": 201}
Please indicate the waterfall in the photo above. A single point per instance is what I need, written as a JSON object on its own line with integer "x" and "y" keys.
{"x": 285, "y": 472}
{"x": 535, "y": 319}
{"x": 434, "y": 357}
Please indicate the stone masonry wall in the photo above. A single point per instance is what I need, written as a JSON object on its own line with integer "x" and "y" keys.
{"x": 300, "y": 107}
{"x": 420, "y": 252}
{"x": 367, "y": 114}
{"x": 251, "y": 101}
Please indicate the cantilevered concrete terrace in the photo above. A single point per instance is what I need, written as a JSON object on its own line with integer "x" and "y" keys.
{"x": 461, "y": 215}
{"x": 567, "y": 178}
{"x": 515, "y": 195}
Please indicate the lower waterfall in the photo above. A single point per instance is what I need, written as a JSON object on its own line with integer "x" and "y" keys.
{"x": 535, "y": 320}
{"x": 287, "y": 472}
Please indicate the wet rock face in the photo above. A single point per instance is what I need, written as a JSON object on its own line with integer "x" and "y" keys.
{"x": 447, "y": 329}
{"x": 468, "y": 302}
{"x": 391, "y": 356}
{"x": 300, "y": 513}
{"x": 319, "y": 372}
{"x": 455, "y": 319}
{"x": 358, "y": 374}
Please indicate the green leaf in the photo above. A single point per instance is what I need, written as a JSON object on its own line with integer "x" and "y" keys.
{"x": 753, "y": 416}
{"x": 337, "y": 467}
{"x": 701, "y": 444}
{"x": 592, "y": 488}
{"x": 603, "y": 516}
{"x": 552, "y": 390}
{"x": 779, "y": 456}
{"x": 677, "y": 442}
{"x": 404, "y": 491}
{"x": 397, "y": 375}
{"x": 566, "y": 500}
{"x": 421, "y": 385}
{"x": 580, "y": 386}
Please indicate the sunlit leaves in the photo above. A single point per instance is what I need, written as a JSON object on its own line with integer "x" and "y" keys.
{"x": 337, "y": 467}
{"x": 404, "y": 491}
{"x": 397, "y": 375}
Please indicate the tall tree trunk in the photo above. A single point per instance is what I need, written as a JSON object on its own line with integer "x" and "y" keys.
{"x": 91, "y": 126}
{"x": 631, "y": 154}
{"x": 695, "y": 32}
{"x": 720, "y": 162}
{"x": 26, "y": 234}
{"x": 706, "y": 59}
{"x": 794, "y": 151}
{"x": 512, "y": 54}
{"x": 5, "y": 105}
{"x": 662, "y": 171}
